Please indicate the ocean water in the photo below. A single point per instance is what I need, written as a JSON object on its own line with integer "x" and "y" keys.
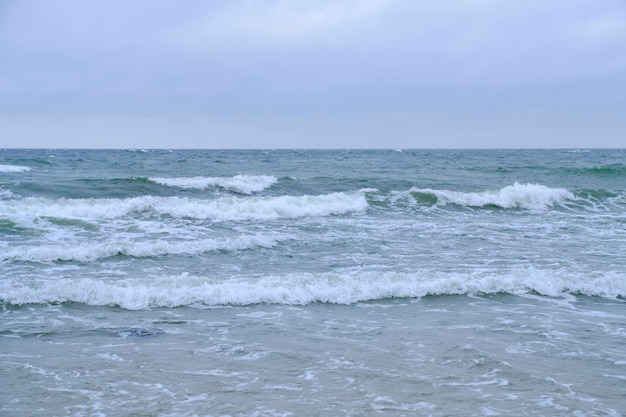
{"x": 313, "y": 283}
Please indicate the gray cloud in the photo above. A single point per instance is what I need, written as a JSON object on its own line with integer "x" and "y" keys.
{"x": 313, "y": 73}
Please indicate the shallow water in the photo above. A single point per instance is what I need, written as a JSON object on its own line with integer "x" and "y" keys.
{"x": 448, "y": 355}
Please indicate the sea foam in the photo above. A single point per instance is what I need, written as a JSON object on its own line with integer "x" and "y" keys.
{"x": 526, "y": 196}
{"x": 222, "y": 209}
{"x": 86, "y": 252}
{"x": 13, "y": 168}
{"x": 304, "y": 288}
{"x": 244, "y": 184}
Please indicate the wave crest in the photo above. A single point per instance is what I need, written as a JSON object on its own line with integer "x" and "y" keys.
{"x": 86, "y": 252}
{"x": 13, "y": 168}
{"x": 526, "y": 196}
{"x": 306, "y": 288}
{"x": 244, "y": 184}
{"x": 222, "y": 209}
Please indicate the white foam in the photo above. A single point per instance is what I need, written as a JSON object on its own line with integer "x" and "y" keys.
{"x": 13, "y": 168}
{"x": 245, "y": 184}
{"x": 304, "y": 288}
{"x": 85, "y": 252}
{"x": 479, "y": 383}
{"x": 110, "y": 356}
{"x": 528, "y": 196}
{"x": 222, "y": 209}
{"x": 7, "y": 195}
{"x": 268, "y": 208}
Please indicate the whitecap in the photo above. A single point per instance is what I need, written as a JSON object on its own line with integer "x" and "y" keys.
{"x": 527, "y": 196}
{"x": 244, "y": 184}
{"x": 305, "y": 288}
{"x": 13, "y": 168}
{"x": 85, "y": 252}
{"x": 222, "y": 209}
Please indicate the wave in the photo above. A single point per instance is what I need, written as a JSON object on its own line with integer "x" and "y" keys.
{"x": 244, "y": 184}
{"x": 525, "y": 196}
{"x": 7, "y": 195}
{"x": 86, "y": 252}
{"x": 608, "y": 170}
{"x": 306, "y": 288}
{"x": 13, "y": 168}
{"x": 222, "y": 209}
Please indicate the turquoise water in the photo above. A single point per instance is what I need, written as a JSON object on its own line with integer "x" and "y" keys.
{"x": 343, "y": 282}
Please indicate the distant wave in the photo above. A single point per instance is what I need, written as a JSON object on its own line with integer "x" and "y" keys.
{"x": 13, "y": 168}
{"x": 222, "y": 209}
{"x": 245, "y": 184}
{"x": 86, "y": 252}
{"x": 304, "y": 288}
{"x": 526, "y": 196}
{"x": 608, "y": 170}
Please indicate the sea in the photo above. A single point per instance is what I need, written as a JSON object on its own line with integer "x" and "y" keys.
{"x": 389, "y": 282}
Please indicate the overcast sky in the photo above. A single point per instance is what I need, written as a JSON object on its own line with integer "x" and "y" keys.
{"x": 313, "y": 74}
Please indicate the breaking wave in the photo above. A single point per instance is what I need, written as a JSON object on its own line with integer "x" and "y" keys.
{"x": 244, "y": 184}
{"x": 525, "y": 196}
{"x": 222, "y": 209}
{"x": 86, "y": 252}
{"x": 306, "y": 288}
{"x": 13, "y": 168}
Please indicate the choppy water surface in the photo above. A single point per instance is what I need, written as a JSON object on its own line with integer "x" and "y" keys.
{"x": 183, "y": 283}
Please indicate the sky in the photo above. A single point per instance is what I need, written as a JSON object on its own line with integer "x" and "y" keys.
{"x": 313, "y": 74}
